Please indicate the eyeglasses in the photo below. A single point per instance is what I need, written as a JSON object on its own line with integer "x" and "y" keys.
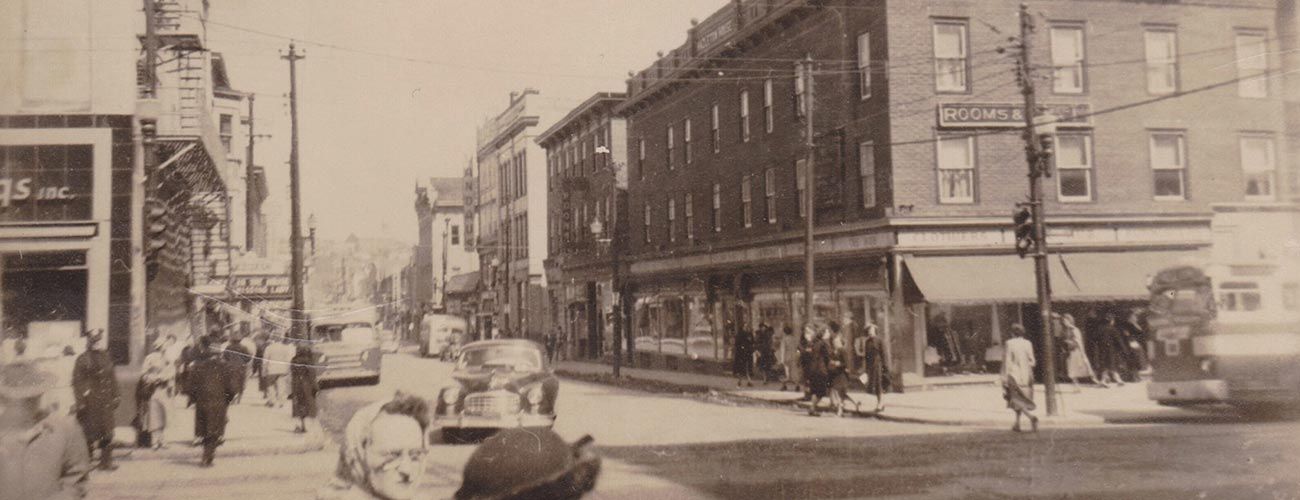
{"x": 393, "y": 459}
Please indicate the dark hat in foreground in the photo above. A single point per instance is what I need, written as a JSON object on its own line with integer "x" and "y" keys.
{"x": 22, "y": 380}
{"x": 529, "y": 463}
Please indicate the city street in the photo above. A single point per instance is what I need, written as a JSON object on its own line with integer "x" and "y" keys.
{"x": 762, "y": 452}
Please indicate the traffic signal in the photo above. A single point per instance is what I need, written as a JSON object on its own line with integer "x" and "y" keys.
{"x": 1025, "y": 237}
{"x": 155, "y": 226}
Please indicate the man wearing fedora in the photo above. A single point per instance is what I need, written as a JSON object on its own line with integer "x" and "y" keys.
{"x": 42, "y": 455}
{"x": 97, "y": 396}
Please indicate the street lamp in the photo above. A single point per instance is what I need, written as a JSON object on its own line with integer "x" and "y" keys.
{"x": 311, "y": 232}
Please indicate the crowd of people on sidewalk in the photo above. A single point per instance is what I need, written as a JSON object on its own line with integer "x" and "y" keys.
{"x": 825, "y": 361}
{"x": 57, "y": 413}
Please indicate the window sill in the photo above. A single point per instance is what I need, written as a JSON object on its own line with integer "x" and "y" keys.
{"x": 1170, "y": 198}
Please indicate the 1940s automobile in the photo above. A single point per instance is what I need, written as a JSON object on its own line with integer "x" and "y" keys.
{"x": 497, "y": 384}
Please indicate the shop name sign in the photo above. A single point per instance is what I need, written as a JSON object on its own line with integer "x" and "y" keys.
{"x": 1007, "y": 115}
{"x": 16, "y": 190}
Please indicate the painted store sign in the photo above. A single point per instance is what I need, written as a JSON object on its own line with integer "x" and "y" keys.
{"x": 45, "y": 183}
{"x": 1008, "y": 115}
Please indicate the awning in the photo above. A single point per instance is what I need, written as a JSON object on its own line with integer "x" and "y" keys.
{"x": 461, "y": 284}
{"x": 987, "y": 279}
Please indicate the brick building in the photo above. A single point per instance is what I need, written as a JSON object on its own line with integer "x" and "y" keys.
{"x": 919, "y": 164}
{"x": 586, "y": 159}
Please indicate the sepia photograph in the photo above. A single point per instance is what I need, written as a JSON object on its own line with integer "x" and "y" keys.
{"x": 649, "y": 249}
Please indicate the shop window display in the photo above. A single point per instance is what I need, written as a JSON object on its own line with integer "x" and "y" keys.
{"x": 701, "y": 342}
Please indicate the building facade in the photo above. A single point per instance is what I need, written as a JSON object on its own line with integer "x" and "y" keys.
{"x": 586, "y": 159}
{"x": 511, "y": 218}
{"x": 918, "y": 164}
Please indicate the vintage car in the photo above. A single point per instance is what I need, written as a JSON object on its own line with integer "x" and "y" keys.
{"x": 497, "y": 384}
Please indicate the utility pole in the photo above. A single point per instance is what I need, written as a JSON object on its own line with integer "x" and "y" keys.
{"x": 809, "y": 245}
{"x": 250, "y": 232}
{"x": 1037, "y": 169}
{"x": 295, "y": 214}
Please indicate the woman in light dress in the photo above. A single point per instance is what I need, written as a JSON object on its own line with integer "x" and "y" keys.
{"x": 1077, "y": 366}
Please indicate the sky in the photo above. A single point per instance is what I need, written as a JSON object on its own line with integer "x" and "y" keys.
{"x": 391, "y": 91}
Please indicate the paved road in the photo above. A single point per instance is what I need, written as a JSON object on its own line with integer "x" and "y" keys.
{"x": 657, "y": 444}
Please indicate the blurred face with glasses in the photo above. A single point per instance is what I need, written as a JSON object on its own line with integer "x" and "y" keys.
{"x": 395, "y": 456}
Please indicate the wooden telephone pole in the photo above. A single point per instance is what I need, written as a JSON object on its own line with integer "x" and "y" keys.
{"x": 810, "y": 146}
{"x": 297, "y": 330}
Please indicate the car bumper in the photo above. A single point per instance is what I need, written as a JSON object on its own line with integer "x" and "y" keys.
{"x": 1188, "y": 391}
{"x": 491, "y": 422}
{"x": 348, "y": 374}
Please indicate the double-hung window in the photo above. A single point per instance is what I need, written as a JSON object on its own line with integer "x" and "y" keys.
{"x": 767, "y": 106}
{"x": 716, "y": 137}
{"x": 864, "y": 65}
{"x": 1073, "y": 167}
{"x": 1252, "y": 64}
{"x": 1067, "y": 59}
{"x": 686, "y": 140}
{"x": 1258, "y": 165}
{"x": 672, "y": 219}
{"x": 717, "y": 208}
{"x": 671, "y": 133}
{"x": 689, "y": 208}
{"x": 744, "y": 116}
{"x": 640, "y": 159}
{"x": 646, "y": 224}
{"x": 1169, "y": 165}
{"x": 801, "y": 185}
{"x": 769, "y": 194}
{"x": 956, "y": 162}
{"x": 867, "y": 173}
{"x": 800, "y": 94}
{"x": 747, "y": 200}
{"x": 950, "y": 56}
{"x": 1162, "y": 60}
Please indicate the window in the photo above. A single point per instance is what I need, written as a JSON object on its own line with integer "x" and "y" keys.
{"x": 1257, "y": 166}
{"x": 1067, "y": 59}
{"x": 769, "y": 194}
{"x": 767, "y": 106}
{"x": 686, "y": 140}
{"x": 1168, "y": 162}
{"x": 747, "y": 200}
{"x": 717, "y": 143}
{"x": 801, "y": 185}
{"x": 864, "y": 65}
{"x": 744, "y": 116}
{"x": 227, "y": 131}
{"x": 1162, "y": 60}
{"x": 956, "y": 169}
{"x": 717, "y": 208}
{"x": 1239, "y": 296}
{"x": 670, "y": 147}
{"x": 800, "y": 107}
{"x": 455, "y": 234}
{"x": 672, "y": 219}
{"x": 689, "y": 208}
{"x": 640, "y": 159}
{"x": 950, "y": 56}
{"x": 1073, "y": 167}
{"x": 523, "y": 173}
{"x": 867, "y": 173}
{"x": 1252, "y": 63}
{"x": 646, "y": 223}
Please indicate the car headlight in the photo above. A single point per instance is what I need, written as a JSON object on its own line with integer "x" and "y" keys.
{"x": 450, "y": 395}
{"x": 1207, "y": 365}
{"x": 535, "y": 395}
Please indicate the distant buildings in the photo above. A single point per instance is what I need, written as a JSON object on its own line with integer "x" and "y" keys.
{"x": 441, "y": 251}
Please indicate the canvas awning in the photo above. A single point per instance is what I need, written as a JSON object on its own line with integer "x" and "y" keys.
{"x": 462, "y": 284}
{"x": 989, "y": 279}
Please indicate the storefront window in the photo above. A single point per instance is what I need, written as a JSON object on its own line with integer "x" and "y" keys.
{"x": 960, "y": 337}
{"x": 647, "y": 314}
{"x": 674, "y": 326}
{"x": 701, "y": 343}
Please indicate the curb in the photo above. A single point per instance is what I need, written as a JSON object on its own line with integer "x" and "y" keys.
{"x": 307, "y": 443}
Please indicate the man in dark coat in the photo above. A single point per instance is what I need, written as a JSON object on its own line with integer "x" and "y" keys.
{"x": 96, "y": 393}
{"x": 211, "y": 389}
{"x": 742, "y": 361}
{"x": 303, "y": 389}
{"x": 237, "y": 358}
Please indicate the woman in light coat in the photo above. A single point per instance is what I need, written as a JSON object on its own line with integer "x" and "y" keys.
{"x": 1077, "y": 366}
{"x": 1018, "y": 377}
{"x": 793, "y": 370}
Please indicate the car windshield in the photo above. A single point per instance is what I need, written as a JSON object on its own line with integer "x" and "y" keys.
{"x": 350, "y": 333}
{"x": 518, "y": 358}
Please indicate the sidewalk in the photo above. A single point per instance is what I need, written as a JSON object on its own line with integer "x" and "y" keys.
{"x": 969, "y": 405}
{"x": 252, "y": 429}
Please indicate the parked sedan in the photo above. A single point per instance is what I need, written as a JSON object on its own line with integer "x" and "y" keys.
{"x": 498, "y": 384}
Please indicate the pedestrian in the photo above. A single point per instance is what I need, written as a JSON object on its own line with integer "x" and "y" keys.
{"x": 275, "y": 371}
{"x": 383, "y": 450}
{"x": 302, "y": 372}
{"x": 840, "y": 360}
{"x": 211, "y": 390}
{"x": 42, "y": 455}
{"x": 818, "y": 368}
{"x": 875, "y": 375}
{"x": 791, "y": 367}
{"x": 1077, "y": 365}
{"x": 238, "y": 357}
{"x": 97, "y": 397}
{"x": 1018, "y": 377}
{"x": 550, "y": 347}
{"x": 259, "y": 364}
{"x": 172, "y": 349}
{"x": 150, "y": 404}
{"x": 851, "y": 332}
{"x": 763, "y": 345}
{"x": 742, "y": 352}
{"x": 1136, "y": 338}
{"x": 1112, "y": 350}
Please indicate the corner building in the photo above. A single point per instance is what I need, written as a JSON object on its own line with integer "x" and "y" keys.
{"x": 920, "y": 163}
